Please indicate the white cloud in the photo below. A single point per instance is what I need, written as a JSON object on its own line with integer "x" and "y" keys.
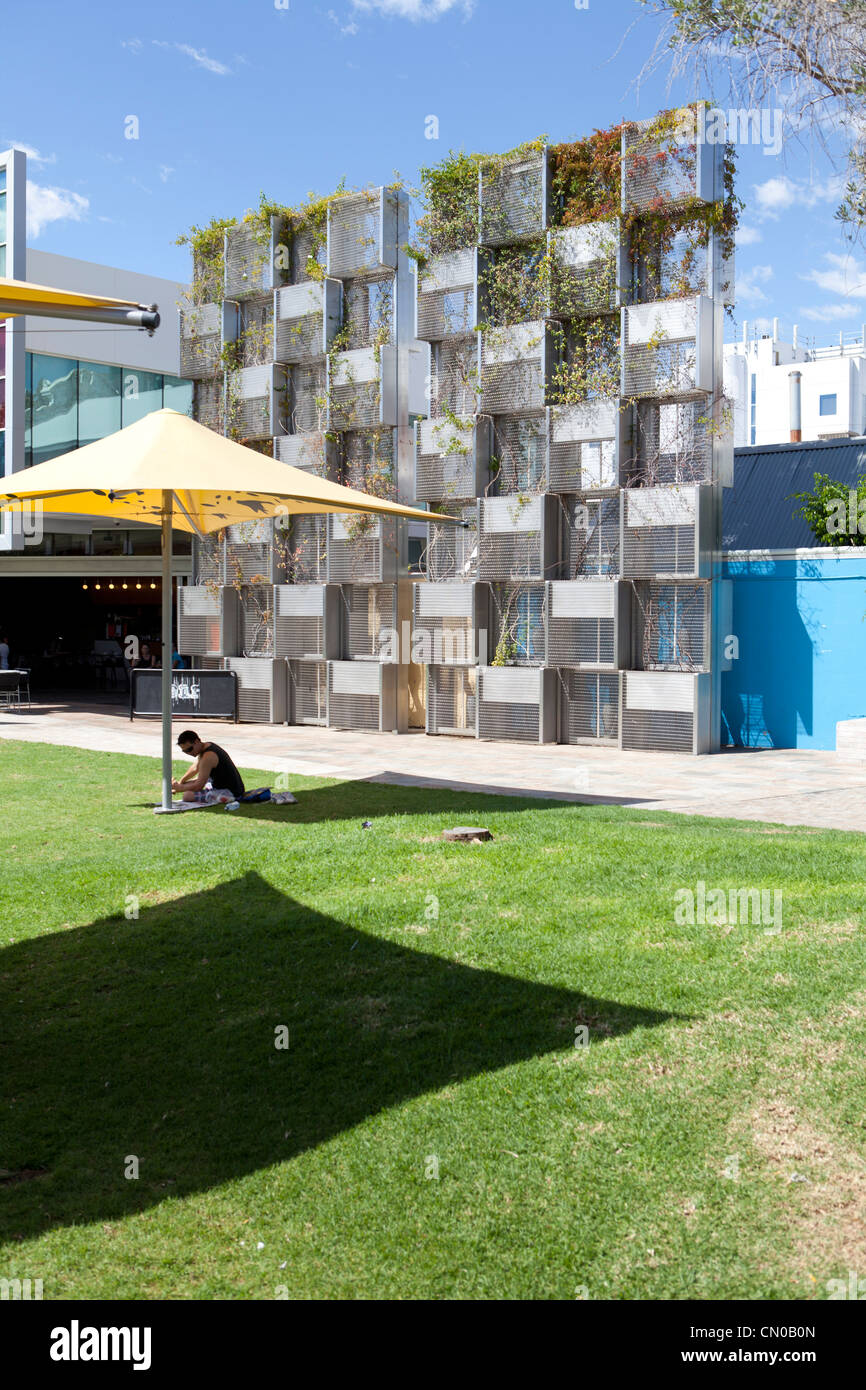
{"x": 778, "y": 194}
{"x": 165, "y": 172}
{"x": 349, "y": 29}
{"x": 832, "y": 313}
{"x": 198, "y": 56}
{"x": 749, "y": 284}
{"x": 415, "y": 9}
{"x": 33, "y": 155}
{"x": 844, "y": 276}
{"x": 47, "y": 205}
{"x": 748, "y": 236}
{"x": 134, "y": 45}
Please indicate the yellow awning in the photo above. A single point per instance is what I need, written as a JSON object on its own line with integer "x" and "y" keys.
{"x": 19, "y": 297}
{"x": 215, "y": 481}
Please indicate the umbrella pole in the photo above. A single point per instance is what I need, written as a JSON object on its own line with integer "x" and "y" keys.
{"x": 167, "y": 649}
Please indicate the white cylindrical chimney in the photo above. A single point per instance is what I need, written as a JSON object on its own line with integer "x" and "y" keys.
{"x": 796, "y": 330}
{"x": 775, "y": 330}
{"x": 794, "y": 379}
{"x": 745, "y": 331}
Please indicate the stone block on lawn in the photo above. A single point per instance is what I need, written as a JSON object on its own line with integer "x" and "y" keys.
{"x": 467, "y": 834}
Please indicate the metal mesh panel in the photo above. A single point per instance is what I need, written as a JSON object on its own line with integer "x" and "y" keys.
{"x": 369, "y": 620}
{"x": 673, "y": 265}
{"x": 513, "y": 200}
{"x": 256, "y": 331}
{"x": 200, "y": 340}
{"x": 449, "y": 459}
{"x": 368, "y": 310}
{"x": 299, "y": 621}
{"x": 208, "y": 404}
{"x": 452, "y": 700}
{"x": 452, "y": 551}
{"x": 354, "y": 697}
{"x": 672, "y": 621}
{"x": 581, "y": 624}
{"x": 446, "y": 297}
{"x": 591, "y": 707}
{"x": 300, "y": 323}
{"x": 354, "y": 233}
{"x": 355, "y": 549}
{"x": 658, "y": 169}
{"x": 354, "y": 390}
{"x": 249, "y": 562}
{"x": 307, "y": 398}
{"x": 444, "y": 617}
{"x": 199, "y": 620}
{"x": 308, "y": 688}
{"x": 662, "y": 730}
{"x": 518, "y": 616}
{"x": 512, "y": 369}
{"x": 249, "y": 268}
{"x": 258, "y": 702}
{"x": 520, "y": 453}
{"x": 308, "y": 245}
{"x": 517, "y": 716}
{"x": 302, "y": 550}
{"x": 659, "y": 534}
{"x": 249, "y": 406}
{"x": 660, "y": 349}
{"x": 511, "y": 538}
{"x": 592, "y": 536}
{"x": 312, "y": 452}
{"x": 257, "y": 620}
{"x": 584, "y": 269}
{"x": 582, "y": 451}
{"x": 673, "y": 444}
{"x": 209, "y": 559}
{"x": 454, "y": 385}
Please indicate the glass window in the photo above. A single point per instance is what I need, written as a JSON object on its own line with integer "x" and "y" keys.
{"x": 177, "y": 395}
{"x": 98, "y": 401}
{"x": 826, "y": 405}
{"x": 147, "y": 541}
{"x": 69, "y": 543}
{"x": 54, "y": 406}
{"x": 2, "y": 349}
{"x": 110, "y": 542}
{"x": 142, "y": 393}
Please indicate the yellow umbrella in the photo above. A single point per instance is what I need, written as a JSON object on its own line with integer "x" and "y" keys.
{"x": 20, "y": 297}
{"x": 168, "y": 470}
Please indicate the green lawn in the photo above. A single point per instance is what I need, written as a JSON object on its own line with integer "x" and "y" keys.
{"x": 431, "y": 1130}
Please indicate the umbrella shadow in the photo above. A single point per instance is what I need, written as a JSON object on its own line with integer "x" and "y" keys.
{"x": 156, "y": 1039}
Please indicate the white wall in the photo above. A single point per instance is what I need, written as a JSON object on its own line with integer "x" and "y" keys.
{"x": 842, "y": 376}
{"x": 96, "y": 342}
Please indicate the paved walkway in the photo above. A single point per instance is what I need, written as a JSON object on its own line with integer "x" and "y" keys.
{"x": 780, "y": 786}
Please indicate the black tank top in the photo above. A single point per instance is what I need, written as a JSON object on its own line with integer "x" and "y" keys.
{"x": 224, "y": 775}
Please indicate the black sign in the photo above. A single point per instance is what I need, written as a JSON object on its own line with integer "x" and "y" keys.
{"x": 207, "y": 694}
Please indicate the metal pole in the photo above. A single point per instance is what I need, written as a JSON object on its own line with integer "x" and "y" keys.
{"x": 167, "y": 500}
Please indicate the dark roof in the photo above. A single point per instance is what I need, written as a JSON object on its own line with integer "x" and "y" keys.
{"x": 757, "y": 513}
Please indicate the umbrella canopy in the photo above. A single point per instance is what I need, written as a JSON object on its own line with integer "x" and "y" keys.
{"x": 215, "y": 482}
{"x": 168, "y": 470}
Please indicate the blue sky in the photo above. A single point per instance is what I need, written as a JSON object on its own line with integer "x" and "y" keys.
{"x": 288, "y": 96}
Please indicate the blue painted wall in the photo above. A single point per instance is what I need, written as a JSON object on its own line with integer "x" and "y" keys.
{"x": 801, "y": 625}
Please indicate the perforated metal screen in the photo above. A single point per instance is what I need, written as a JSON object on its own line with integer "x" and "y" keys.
{"x": 249, "y": 264}
{"x": 661, "y": 352}
{"x": 660, "y": 532}
{"x": 673, "y": 443}
{"x": 509, "y": 704}
{"x": 368, "y": 310}
{"x": 262, "y": 689}
{"x": 513, "y": 369}
{"x": 658, "y": 711}
{"x": 452, "y": 700}
{"x": 518, "y": 613}
{"x": 308, "y": 692}
{"x": 581, "y": 623}
{"x": 257, "y": 620}
{"x": 452, "y": 551}
{"x": 446, "y": 296}
{"x": 592, "y": 707}
{"x": 659, "y": 170}
{"x": 672, "y": 622}
{"x": 520, "y": 445}
{"x": 201, "y": 620}
{"x": 302, "y": 550}
{"x": 355, "y": 549}
{"x": 299, "y": 617}
{"x": 369, "y": 620}
{"x": 248, "y": 562}
{"x": 583, "y": 265}
{"x": 444, "y": 623}
{"x": 308, "y": 398}
{"x": 200, "y": 340}
{"x": 583, "y": 446}
{"x": 354, "y": 695}
{"x": 591, "y": 540}
{"x": 209, "y": 560}
{"x": 511, "y": 538}
{"x": 208, "y": 404}
{"x": 356, "y": 234}
{"x": 513, "y": 200}
{"x": 454, "y": 382}
{"x": 451, "y": 461}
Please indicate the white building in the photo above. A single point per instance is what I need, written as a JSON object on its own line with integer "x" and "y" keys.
{"x": 779, "y": 388}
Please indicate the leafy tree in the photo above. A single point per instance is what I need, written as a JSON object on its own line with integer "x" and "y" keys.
{"x": 807, "y": 56}
{"x": 834, "y": 512}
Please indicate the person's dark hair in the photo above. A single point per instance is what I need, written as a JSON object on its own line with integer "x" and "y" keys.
{"x": 188, "y": 736}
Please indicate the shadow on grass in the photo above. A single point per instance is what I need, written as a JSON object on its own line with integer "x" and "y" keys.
{"x": 156, "y": 1038}
{"x": 365, "y": 799}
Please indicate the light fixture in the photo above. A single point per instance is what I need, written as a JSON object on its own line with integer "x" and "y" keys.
{"x": 84, "y": 586}
{"x": 97, "y": 586}
{"x": 138, "y": 586}
{"x": 124, "y": 586}
{"x": 111, "y": 586}
{"x": 153, "y": 586}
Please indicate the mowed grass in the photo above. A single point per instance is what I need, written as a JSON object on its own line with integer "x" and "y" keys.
{"x": 431, "y": 1130}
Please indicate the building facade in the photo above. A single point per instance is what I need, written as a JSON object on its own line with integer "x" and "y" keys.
{"x": 788, "y": 391}
{"x": 566, "y": 314}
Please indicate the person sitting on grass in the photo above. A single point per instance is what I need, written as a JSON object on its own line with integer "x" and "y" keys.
{"x": 213, "y": 776}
